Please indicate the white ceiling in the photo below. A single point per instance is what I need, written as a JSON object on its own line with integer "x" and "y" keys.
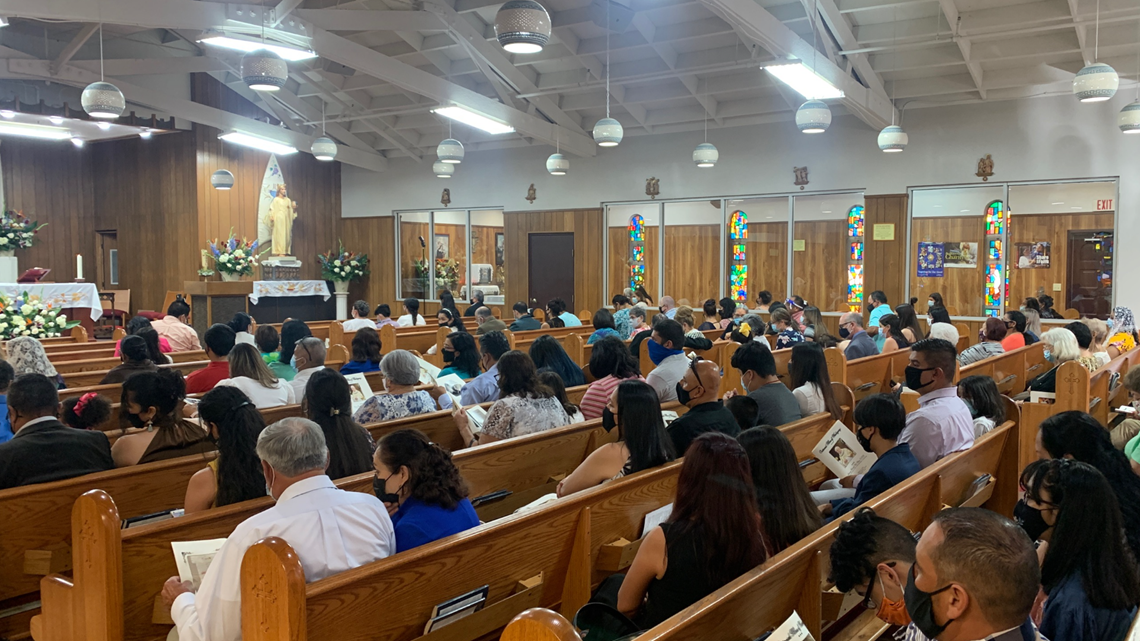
{"x": 680, "y": 64}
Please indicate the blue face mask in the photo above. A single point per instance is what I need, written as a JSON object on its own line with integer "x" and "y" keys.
{"x": 293, "y": 362}
{"x": 658, "y": 353}
{"x": 1049, "y": 356}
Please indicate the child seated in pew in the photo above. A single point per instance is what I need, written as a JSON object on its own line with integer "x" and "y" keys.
{"x": 879, "y": 420}
{"x": 85, "y": 412}
{"x": 235, "y": 475}
{"x": 421, "y": 488}
{"x": 744, "y": 409}
{"x": 554, "y": 382}
{"x": 981, "y": 395}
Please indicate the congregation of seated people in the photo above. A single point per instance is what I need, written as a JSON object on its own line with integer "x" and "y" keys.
{"x": 1063, "y": 568}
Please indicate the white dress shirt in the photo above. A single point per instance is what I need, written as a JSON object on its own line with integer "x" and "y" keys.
{"x": 940, "y": 426}
{"x": 331, "y": 531}
{"x": 244, "y": 337}
{"x": 666, "y": 375}
{"x": 358, "y": 323}
{"x": 406, "y": 321}
{"x": 301, "y": 380}
{"x": 263, "y": 397}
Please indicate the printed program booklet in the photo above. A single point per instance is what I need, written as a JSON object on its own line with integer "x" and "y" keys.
{"x": 193, "y": 558}
{"x": 359, "y": 389}
{"x": 840, "y": 451}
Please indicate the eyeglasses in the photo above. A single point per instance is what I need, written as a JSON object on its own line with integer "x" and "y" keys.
{"x": 693, "y": 360}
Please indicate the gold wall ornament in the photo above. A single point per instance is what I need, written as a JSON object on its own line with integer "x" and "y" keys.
{"x": 801, "y": 175}
{"x": 652, "y": 188}
{"x": 446, "y": 199}
{"x": 985, "y": 167}
{"x": 531, "y": 194}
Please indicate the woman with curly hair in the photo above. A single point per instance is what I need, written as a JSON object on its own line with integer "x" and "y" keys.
{"x": 422, "y": 489}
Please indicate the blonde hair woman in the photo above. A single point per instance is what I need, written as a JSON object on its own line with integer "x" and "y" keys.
{"x": 1060, "y": 347}
{"x": 250, "y": 374}
{"x": 1098, "y": 348}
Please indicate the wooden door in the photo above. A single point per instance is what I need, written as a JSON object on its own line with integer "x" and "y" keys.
{"x": 107, "y": 260}
{"x": 551, "y": 269}
{"x": 1088, "y": 278}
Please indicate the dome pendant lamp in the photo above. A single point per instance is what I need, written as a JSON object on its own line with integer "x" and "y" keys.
{"x": 450, "y": 151}
{"x": 705, "y": 154}
{"x": 262, "y": 69}
{"x": 557, "y": 164}
{"x": 324, "y": 148}
{"x": 1129, "y": 120}
{"x": 443, "y": 169}
{"x": 102, "y": 99}
{"x": 522, "y": 26}
{"x": 814, "y": 116}
{"x": 1096, "y": 82}
{"x": 222, "y": 180}
{"x": 607, "y": 131}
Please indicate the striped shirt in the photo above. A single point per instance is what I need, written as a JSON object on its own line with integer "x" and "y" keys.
{"x": 598, "y": 394}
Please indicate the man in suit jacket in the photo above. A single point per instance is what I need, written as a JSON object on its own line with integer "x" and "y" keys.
{"x": 523, "y": 319}
{"x": 861, "y": 344}
{"x": 487, "y": 322}
{"x": 44, "y": 449}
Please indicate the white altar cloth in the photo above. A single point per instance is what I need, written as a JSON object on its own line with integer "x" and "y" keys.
{"x": 286, "y": 288}
{"x": 62, "y": 295}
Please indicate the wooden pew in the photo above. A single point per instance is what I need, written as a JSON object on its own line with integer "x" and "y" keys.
{"x": 794, "y": 579}
{"x": 869, "y": 375}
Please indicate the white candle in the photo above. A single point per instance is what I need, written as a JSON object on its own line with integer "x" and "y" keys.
{"x": 79, "y": 267}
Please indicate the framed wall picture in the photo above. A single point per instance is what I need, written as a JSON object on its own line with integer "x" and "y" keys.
{"x": 442, "y": 247}
{"x": 500, "y": 241}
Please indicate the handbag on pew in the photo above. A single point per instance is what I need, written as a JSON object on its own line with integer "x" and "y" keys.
{"x": 600, "y": 621}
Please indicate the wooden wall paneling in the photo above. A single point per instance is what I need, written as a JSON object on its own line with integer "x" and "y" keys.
{"x": 962, "y": 289}
{"x": 589, "y": 259}
{"x": 884, "y": 261}
{"x": 586, "y": 225}
{"x": 374, "y": 236}
{"x": 820, "y": 271}
{"x": 51, "y": 182}
{"x": 692, "y": 255}
{"x": 1054, "y": 229}
{"x": 766, "y": 255}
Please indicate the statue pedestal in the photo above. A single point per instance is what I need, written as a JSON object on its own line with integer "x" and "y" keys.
{"x": 280, "y": 268}
{"x": 341, "y": 305}
{"x": 9, "y": 269}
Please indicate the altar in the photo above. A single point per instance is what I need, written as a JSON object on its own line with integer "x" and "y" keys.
{"x": 80, "y": 301}
{"x": 272, "y": 301}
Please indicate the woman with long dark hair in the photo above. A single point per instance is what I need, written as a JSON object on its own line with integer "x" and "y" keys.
{"x": 135, "y": 360}
{"x": 610, "y": 364}
{"x": 934, "y": 300}
{"x": 1090, "y": 579}
{"x": 709, "y": 309}
{"x": 365, "y": 352}
{"x": 813, "y": 321}
{"x": 250, "y": 374}
{"x": 451, "y": 319}
{"x": 712, "y": 536}
{"x": 525, "y": 405}
{"x": 811, "y": 383}
{"x": 152, "y": 402}
{"x": 1080, "y": 436}
{"x": 554, "y": 382}
{"x": 460, "y": 356}
{"x": 895, "y": 338}
{"x": 235, "y": 475}
{"x": 447, "y": 301}
{"x": 787, "y": 510}
{"x": 984, "y": 400}
{"x": 547, "y": 353}
{"x": 603, "y": 326}
{"x": 328, "y": 403}
{"x": 908, "y": 321}
{"x": 411, "y": 315}
{"x": 726, "y": 312}
{"x": 291, "y": 332}
{"x": 153, "y": 346}
{"x": 422, "y": 489}
{"x": 136, "y": 325}
{"x": 642, "y": 441}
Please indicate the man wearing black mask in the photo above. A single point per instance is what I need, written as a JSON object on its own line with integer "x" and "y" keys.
{"x": 942, "y": 424}
{"x": 698, "y": 390}
{"x": 43, "y": 449}
{"x": 975, "y": 576}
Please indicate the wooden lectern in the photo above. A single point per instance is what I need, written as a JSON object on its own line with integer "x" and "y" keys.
{"x": 216, "y": 301}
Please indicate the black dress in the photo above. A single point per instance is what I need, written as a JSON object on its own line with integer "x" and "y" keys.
{"x": 685, "y": 581}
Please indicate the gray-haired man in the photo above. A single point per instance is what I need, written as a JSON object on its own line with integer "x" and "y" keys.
{"x": 331, "y": 531}
{"x": 309, "y": 357}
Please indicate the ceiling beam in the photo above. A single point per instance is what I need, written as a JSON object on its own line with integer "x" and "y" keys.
{"x": 668, "y": 54}
{"x": 192, "y": 111}
{"x": 283, "y": 9}
{"x": 72, "y": 47}
{"x": 767, "y": 31}
{"x": 950, "y": 10}
{"x": 358, "y": 20}
{"x": 153, "y": 66}
{"x": 839, "y": 27}
{"x": 328, "y": 93}
{"x": 1080, "y": 28}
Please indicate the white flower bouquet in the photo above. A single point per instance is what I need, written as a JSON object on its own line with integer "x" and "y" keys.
{"x": 235, "y": 256}
{"x": 343, "y": 265}
{"x": 28, "y": 315}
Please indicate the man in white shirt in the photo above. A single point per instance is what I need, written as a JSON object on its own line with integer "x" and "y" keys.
{"x": 359, "y": 317}
{"x": 331, "y": 531}
{"x": 309, "y": 355}
{"x": 667, "y": 306}
{"x": 942, "y": 424}
{"x": 665, "y": 350}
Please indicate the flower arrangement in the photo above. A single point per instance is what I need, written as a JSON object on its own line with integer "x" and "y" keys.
{"x": 234, "y": 257}
{"x": 343, "y": 265}
{"x": 28, "y": 315}
{"x": 447, "y": 274}
{"x": 17, "y": 231}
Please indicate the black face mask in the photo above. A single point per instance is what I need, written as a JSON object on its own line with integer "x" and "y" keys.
{"x": 864, "y": 442}
{"x": 1030, "y": 520}
{"x": 683, "y": 396}
{"x": 448, "y": 355}
{"x": 379, "y": 488}
{"x": 920, "y": 607}
{"x": 608, "y": 420}
{"x": 843, "y": 333}
{"x": 135, "y": 420}
{"x": 914, "y": 377}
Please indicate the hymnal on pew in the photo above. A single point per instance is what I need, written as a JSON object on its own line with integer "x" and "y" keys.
{"x": 793, "y": 629}
{"x": 193, "y": 558}
{"x": 840, "y": 451}
{"x": 428, "y": 372}
{"x": 457, "y": 608}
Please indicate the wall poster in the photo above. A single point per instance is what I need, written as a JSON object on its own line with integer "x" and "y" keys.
{"x": 1033, "y": 255}
{"x": 930, "y": 260}
{"x": 960, "y": 255}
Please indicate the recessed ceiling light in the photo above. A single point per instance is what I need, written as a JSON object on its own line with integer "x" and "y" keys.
{"x": 7, "y": 113}
{"x": 1058, "y": 203}
{"x": 963, "y": 211}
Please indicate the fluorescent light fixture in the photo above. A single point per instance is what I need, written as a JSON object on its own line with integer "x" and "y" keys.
{"x": 78, "y": 142}
{"x": 473, "y": 119}
{"x": 805, "y": 81}
{"x": 237, "y": 44}
{"x": 264, "y": 144}
{"x": 33, "y": 131}
{"x": 56, "y": 120}
{"x": 144, "y": 134}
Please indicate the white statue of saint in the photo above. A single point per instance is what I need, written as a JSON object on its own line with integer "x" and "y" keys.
{"x": 282, "y": 213}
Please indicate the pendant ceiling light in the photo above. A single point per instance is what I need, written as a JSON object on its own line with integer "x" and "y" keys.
{"x": 443, "y": 169}
{"x": 607, "y": 131}
{"x": 814, "y": 116}
{"x": 557, "y": 164}
{"x": 522, "y": 26}
{"x": 705, "y": 155}
{"x": 222, "y": 180}
{"x": 102, "y": 99}
{"x": 1130, "y": 116}
{"x": 263, "y": 69}
{"x": 324, "y": 148}
{"x": 893, "y": 139}
{"x": 450, "y": 151}
{"x": 1096, "y": 82}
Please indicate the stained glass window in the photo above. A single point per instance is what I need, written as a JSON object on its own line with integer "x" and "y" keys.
{"x": 636, "y": 228}
{"x": 636, "y": 251}
{"x": 854, "y": 284}
{"x": 995, "y": 218}
{"x": 997, "y": 280}
{"x": 738, "y": 275}
{"x": 857, "y": 251}
{"x": 855, "y": 222}
{"x": 994, "y": 252}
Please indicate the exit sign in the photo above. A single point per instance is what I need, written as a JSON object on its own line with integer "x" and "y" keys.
{"x": 1104, "y": 205}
